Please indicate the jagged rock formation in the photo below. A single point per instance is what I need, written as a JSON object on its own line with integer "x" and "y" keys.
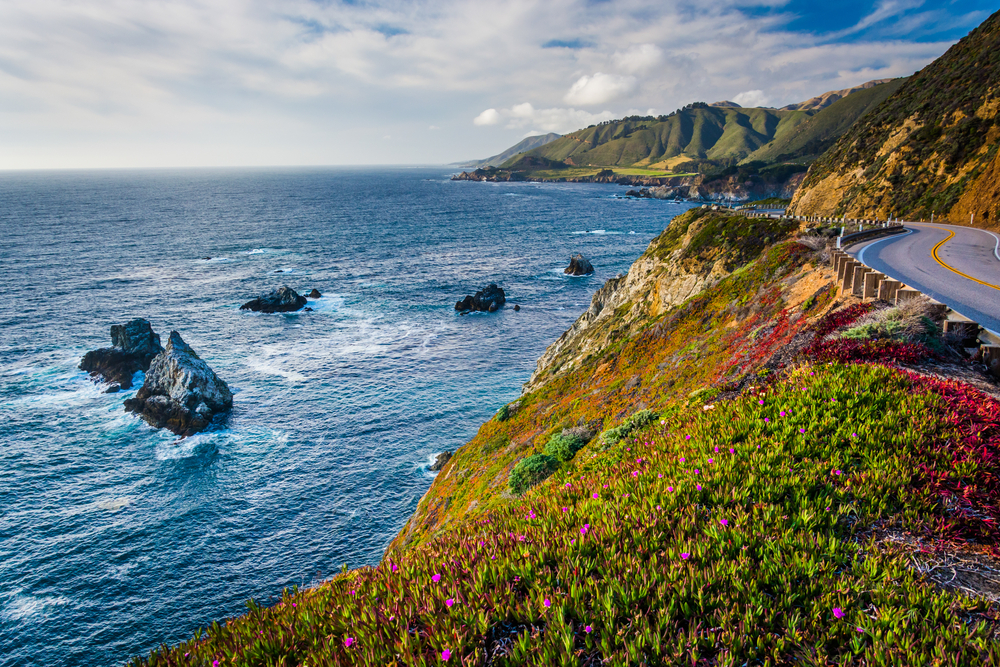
{"x": 931, "y": 148}
{"x": 440, "y": 460}
{"x": 134, "y": 344}
{"x": 579, "y": 266}
{"x": 281, "y": 300}
{"x": 487, "y": 300}
{"x": 181, "y": 393}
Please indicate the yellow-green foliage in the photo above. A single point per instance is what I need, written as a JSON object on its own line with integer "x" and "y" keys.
{"x": 732, "y": 536}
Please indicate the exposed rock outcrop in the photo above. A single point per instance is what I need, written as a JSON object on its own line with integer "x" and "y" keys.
{"x": 487, "y": 300}
{"x": 134, "y": 344}
{"x": 281, "y": 300}
{"x": 579, "y": 266}
{"x": 181, "y": 393}
{"x": 315, "y": 294}
{"x": 440, "y": 460}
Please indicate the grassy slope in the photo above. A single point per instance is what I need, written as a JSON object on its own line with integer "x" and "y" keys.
{"x": 926, "y": 146}
{"x": 714, "y": 133}
{"x": 818, "y": 133}
{"x": 729, "y": 535}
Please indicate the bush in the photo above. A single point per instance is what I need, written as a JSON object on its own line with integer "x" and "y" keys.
{"x": 635, "y": 423}
{"x": 563, "y": 447}
{"x": 531, "y": 471}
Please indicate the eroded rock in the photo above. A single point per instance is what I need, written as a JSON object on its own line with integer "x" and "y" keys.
{"x": 282, "y": 300}
{"x": 441, "y": 459}
{"x": 181, "y": 393}
{"x": 134, "y": 344}
{"x": 487, "y": 300}
{"x": 579, "y": 266}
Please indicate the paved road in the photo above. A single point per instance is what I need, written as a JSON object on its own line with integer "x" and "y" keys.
{"x": 958, "y": 266}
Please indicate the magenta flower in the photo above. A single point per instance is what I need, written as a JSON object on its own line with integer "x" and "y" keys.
{"x": 767, "y": 419}
{"x": 685, "y": 556}
{"x": 657, "y": 507}
{"x": 683, "y": 459}
{"x": 635, "y": 473}
{"x": 698, "y": 486}
{"x": 802, "y": 430}
{"x": 761, "y": 402}
{"x": 436, "y": 578}
{"x": 724, "y": 522}
{"x": 854, "y": 435}
{"x": 596, "y": 496}
{"x": 711, "y": 460}
{"x": 395, "y": 568}
{"x": 446, "y": 655}
{"x": 215, "y": 663}
{"x": 568, "y": 485}
{"x": 716, "y": 450}
{"x": 347, "y": 643}
{"x": 860, "y": 629}
{"x": 588, "y": 629}
{"x": 782, "y": 413}
{"x": 836, "y": 472}
{"x": 546, "y": 603}
{"x": 670, "y": 489}
{"x": 732, "y": 451}
{"x": 838, "y": 612}
{"x": 565, "y": 509}
{"x": 586, "y": 527}
{"x": 697, "y": 472}
{"x": 687, "y": 437}
{"x": 449, "y": 602}
{"x": 660, "y": 475}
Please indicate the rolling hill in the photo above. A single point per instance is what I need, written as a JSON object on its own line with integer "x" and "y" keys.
{"x": 525, "y": 144}
{"x": 931, "y": 147}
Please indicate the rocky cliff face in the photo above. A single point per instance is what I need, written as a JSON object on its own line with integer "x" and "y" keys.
{"x": 697, "y": 250}
{"x": 181, "y": 393}
{"x": 932, "y": 147}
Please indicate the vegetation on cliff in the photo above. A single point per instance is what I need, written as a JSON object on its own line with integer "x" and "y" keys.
{"x": 709, "y": 491}
{"x": 929, "y": 148}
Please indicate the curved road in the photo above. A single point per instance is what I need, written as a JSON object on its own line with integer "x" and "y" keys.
{"x": 958, "y": 266}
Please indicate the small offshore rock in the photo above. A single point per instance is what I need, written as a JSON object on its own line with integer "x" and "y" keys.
{"x": 281, "y": 300}
{"x": 307, "y": 309}
{"x": 441, "y": 459}
{"x": 133, "y": 346}
{"x": 314, "y": 294}
{"x": 113, "y": 389}
{"x": 181, "y": 393}
{"x": 517, "y": 308}
{"x": 487, "y": 300}
{"x": 579, "y": 266}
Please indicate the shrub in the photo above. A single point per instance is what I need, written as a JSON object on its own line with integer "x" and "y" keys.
{"x": 503, "y": 413}
{"x": 563, "y": 447}
{"x": 531, "y": 471}
{"x": 636, "y": 422}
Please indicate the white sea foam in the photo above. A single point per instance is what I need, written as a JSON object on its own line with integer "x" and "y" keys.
{"x": 600, "y": 232}
{"x": 114, "y": 504}
{"x": 28, "y": 607}
{"x": 256, "y": 251}
{"x": 182, "y": 448}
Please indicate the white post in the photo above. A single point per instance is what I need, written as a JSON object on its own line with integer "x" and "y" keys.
{"x": 932, "y": 218}
{"x": 972, "y": 220}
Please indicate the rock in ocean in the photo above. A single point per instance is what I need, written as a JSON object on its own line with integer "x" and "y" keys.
{"x": 579, "y": 266}
{"x": 281, "y": 300}
{"x": 487, "y": 300}
{"x": 440, "y": 460}
{"x": 134, "y": 344}
{"x": 181, "y": 392}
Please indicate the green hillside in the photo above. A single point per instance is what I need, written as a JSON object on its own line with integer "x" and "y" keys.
{"x": 697, "y": 132}
{"x": 525, "y": 144}
{"x": 930, "y": 148}
{"x": 806, "y": 141}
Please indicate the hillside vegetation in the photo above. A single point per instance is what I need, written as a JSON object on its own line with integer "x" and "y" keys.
{"x": 929, "y": 148}
{"x": 721, "y": 464}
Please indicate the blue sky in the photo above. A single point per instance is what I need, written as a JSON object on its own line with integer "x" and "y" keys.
{"x": 138, "y": 83}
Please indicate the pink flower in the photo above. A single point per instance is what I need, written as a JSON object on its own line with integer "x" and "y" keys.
{"x": 802, "y": 430}
{"x": 670, "y": 489}
{"x": 565, "y": 509}
{"x": 766, "y": 419}
{"x": 698, "y": 486}
{"x": 838, "y": 612}
{"x": 687, "y": 437}
{"x": 660, "y": 475}
{"x": 586, "y": 527}
{"x": 760, "y": 402}
{"x": 436, "y": 578}
{"x": 782, "y": 413}
{"x": 588, "y": 629}
{"x": 716, "y": 450}
{"x": 635, "y": 473}
{"x": 215, "y": 663}
{"x": 685, "y": 556}
{"x": 854, "y": 435}
{"x": 446, "y": 655}
{"x": 711, "y": 460}
{"x": 682, "y": 459}
{"x": 724, "y": 522}
{"x": 395, "y": 568}
{"x": 568, "y": 485}
{"x": 347, "y": 642}
{"x": 546, "y": 603}
{"x": 596, "y": 496}
{"x": 859, "y": 629}
{"x": 836, "y": 472}
{"x": 697, "y": 472}
{"x": 449, "y": 602}
{"x": 732, "y": 451}
{"x": 657, "y": 507}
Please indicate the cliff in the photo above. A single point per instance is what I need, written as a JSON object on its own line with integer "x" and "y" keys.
{"x": 722, "y": 462}
{"x": 931, "y": 147}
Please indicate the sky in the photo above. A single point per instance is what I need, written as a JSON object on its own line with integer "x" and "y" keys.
{"x": 186, "y": 83}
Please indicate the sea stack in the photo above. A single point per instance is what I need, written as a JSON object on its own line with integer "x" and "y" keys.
{"x": 281, "y": 300}
{"x": 181, "y": 393}
{"x": 133, "y": 346}
{"x": 487, "y": 300}
{"x": 579, "y": 266}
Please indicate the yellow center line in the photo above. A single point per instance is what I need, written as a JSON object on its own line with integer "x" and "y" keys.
{"x": 937, "y": 259}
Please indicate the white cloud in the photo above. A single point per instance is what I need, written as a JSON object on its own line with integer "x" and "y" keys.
{"x": 752, "y": 98}
{"x": 638, "y": 59}
{"x": 600, "y": 88}
{"x": 203, "y": 82}
{"x": 488, "y": 117}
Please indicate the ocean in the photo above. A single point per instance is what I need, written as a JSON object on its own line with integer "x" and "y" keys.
{"x": 115, "y": 537}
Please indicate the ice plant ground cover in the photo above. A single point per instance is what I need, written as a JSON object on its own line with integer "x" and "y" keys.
{"x": 733, "y": 536}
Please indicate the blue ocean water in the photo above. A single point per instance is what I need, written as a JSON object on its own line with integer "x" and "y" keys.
{"x": 115, "y": 537}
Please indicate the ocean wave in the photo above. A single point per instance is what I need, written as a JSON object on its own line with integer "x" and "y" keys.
{"x": 600, "y": 232}
{"x": 29, "y": 607}
{"x": 257, "y": 251}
